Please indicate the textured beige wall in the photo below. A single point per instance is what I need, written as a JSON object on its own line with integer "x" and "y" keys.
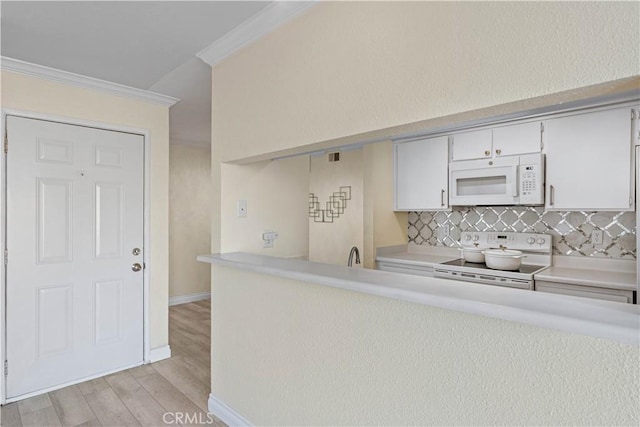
{"x": 305, "y": 354}
{"x": 190, "y": 196}
{"x": 42, "y": 96}
{"x": 276, "y": 193}
{"x": 382, "y": 226}
{"x": 331, "y": 242}
{"x": 344, "y": 68}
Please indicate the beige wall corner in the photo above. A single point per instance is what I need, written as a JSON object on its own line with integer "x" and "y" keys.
{"x": 190, "y": 202}
{"x": 277, "y": 195}
{"x": 37, "y": 95}
{"x": 383, "y": 226}
{"x": 331, "y": 241}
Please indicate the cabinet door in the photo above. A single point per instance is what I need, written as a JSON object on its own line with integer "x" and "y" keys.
{"x": 471, "y": 145}
{"x": 522, "y": 138}
{"x": 421, "y": 170}
{"x": 589, "y": 161}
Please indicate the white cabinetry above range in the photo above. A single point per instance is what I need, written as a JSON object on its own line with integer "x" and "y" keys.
{"x": 590, "y": 161}
{"x": 509, "y": 140}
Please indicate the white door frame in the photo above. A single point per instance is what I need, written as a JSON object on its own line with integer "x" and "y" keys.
{"x": 3, "y": 224}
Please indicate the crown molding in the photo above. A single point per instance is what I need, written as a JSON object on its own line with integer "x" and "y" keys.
{"x": 85, "y": 82}
{"x": 259, "y": 25}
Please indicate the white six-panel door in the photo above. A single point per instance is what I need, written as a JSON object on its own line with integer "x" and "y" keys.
{"x": 74, "y": 217}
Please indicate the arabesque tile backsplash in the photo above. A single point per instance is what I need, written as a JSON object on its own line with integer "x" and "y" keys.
{"x": 571, "y": 231}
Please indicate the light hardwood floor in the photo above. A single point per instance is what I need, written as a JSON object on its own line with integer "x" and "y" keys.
{"x": 138, "y": 396}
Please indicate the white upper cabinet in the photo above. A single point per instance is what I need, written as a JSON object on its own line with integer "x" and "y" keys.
{"x": 521, "y": 138}
{"x": 471, "y": 145}
{"x": 421, "y": 174}
{"x": 510, "y": 140}
{"x": 589, "y": 161}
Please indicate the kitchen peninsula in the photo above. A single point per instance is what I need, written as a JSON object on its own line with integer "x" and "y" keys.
{"x": 613, "y": 321}
{"x": 358, "y": 339}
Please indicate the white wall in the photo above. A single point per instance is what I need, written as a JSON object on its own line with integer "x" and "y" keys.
{"x": 190, "y": 195}
{"x": 42, "y": 96}
{"x": 305, "y": 354}
{"x": 330, "y": 242}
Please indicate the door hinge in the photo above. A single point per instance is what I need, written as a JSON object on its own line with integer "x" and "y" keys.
{"x": 633, "y": 114}
{"x": 6, "y": 144}
{"x": 6, "y": 368}
{"x": 6, "y": 256}
{"x": 541, "y": 132}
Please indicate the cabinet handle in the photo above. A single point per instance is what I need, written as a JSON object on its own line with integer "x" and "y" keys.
{"x": 441, "y": 197}
{"x": 552, "y": 194}
{"x": 498, "y": 151}
{"x": 486, "y": 153}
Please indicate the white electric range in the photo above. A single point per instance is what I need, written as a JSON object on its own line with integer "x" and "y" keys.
{"x": 535, "y": 247}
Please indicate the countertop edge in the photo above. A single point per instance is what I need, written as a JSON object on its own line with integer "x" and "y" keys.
{"x": 544, "y": 310}
{"x": 567, "y": 275}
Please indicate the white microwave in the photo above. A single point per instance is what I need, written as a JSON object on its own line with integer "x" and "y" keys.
{"x": 509, "y": 180}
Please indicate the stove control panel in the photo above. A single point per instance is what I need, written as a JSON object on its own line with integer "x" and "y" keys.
{"x": 530, "y": 242}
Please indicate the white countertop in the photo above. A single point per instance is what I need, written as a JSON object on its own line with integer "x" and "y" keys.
{"x": 604, "y": 319}
{"x": 426, "y": 256}
{"x": 586, "y": 271}
{"x": 589, "y": 271}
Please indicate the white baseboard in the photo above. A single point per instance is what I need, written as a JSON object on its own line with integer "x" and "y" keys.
{"x": 159, "y": 353}
{"x": 183, "y": 299}
{"x": 230, "y": 417}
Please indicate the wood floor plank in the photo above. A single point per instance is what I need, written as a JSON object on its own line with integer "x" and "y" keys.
{"x": 185, "y": 381}
{"x": 91, "y": 423}
{"x": 186, "y": 331}
{"x": 205, "y": 303}
{"x": 167, "y": 394}
{"x": 92, "y": 386}
{"x": 71, "y": 407}
{"x": 197, "y": 367}
{"x": 142, "y": 405}
{"x": 141, "y": 371}
{"x": 42, "y": 417}
{"x": 109, "y": 409}
{"x": 192, "y": 323}
{"x": 33, "y": 404}
{"x": 10, "y": 416}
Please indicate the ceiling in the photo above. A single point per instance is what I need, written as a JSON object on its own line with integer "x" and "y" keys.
{"x": 148, "y": 45}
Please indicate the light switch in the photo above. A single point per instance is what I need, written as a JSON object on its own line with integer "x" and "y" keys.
{"x": 242, "y": 208}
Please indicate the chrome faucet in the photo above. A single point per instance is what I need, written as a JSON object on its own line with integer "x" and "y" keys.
{"x": 354, "y": 250}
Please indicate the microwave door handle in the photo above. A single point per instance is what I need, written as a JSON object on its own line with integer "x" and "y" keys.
{"x": 516, "y": 183}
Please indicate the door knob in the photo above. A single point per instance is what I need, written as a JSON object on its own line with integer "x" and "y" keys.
{"x": 136, "y": 267}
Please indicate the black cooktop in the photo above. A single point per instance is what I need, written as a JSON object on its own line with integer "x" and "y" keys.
{"x": 524, "y": 268}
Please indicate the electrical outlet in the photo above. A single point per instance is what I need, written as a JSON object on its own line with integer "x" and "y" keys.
{"x": 597, "y": 237}
{"x": 268, "y": 237}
